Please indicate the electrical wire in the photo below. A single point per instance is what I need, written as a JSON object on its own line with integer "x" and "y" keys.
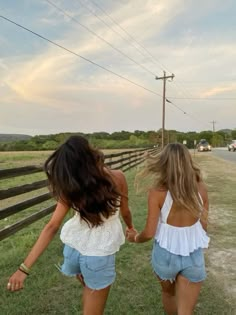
{"x": 203, "y": 98}
{"x": 77, "y": 55}
{"x": 98, "y": 36}
{"x": 111, "y": 28}
{"x": 154, "y": 58}
{"x": 187, "y": 114}
{"x": 130, "y": 36}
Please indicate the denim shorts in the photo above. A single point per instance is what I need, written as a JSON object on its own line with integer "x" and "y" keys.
{"x": 98, "y": 271}
{"x": 167, "y": 265}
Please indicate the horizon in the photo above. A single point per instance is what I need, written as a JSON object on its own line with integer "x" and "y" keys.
{"x": 101, "y": 131}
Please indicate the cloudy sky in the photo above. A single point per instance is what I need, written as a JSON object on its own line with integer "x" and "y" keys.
{"x": 124, "y": 44}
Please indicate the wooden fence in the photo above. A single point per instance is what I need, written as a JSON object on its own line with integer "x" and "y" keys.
{"x": 122, "y": 160}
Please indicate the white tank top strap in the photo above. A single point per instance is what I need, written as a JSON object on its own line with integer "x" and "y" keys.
{"x": 200, "y": 198}
{"x": 165, "y": 210}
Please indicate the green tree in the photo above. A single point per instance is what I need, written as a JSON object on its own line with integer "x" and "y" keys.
{"x": 217, "y": 140}
{"x": 50, "y": 145}
{"x": 233, "y": 134}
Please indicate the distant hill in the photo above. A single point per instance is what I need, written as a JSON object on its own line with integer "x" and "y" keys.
{"x": 13, "y": 137}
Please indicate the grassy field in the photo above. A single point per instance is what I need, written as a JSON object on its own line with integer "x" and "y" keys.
{"x": 136, "y": 291}
{"x": 25, "y": 158}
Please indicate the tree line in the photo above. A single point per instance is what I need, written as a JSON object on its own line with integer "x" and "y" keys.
{"x": 121, "y": 139}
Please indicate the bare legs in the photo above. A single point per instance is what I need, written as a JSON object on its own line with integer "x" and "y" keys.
{"x": 180, "y": 296}
{"x": 94, "y": 301}
{"x": 187, "y": 294}
{"x": 168, "y": 297}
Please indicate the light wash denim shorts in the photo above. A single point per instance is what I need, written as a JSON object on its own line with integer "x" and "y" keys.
{"x": 98, "y": 271}
{"x": 167, "y": 265}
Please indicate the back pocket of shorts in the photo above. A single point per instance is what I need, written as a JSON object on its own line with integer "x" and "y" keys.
{"x": 96, "y": 263}
{"x": 161, "y": 256}
{"x": 198, "y": 258}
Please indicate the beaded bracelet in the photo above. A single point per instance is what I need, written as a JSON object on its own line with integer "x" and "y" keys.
{"x": 25, "y": 268}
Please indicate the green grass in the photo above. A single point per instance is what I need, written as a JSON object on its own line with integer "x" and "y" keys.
{"x": 135, "y": 292}
{"x": 25, "y": 158}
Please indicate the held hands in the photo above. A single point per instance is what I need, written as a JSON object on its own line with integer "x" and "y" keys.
{"x": 15, "y": 283}
{"x": 130, "y": 234}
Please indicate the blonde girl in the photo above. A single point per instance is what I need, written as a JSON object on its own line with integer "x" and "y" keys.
{"x": 177, "y": 221}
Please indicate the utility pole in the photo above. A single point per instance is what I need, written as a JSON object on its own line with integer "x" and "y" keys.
{"x": 213, "y": 125}
{"x": 164, "y": 78}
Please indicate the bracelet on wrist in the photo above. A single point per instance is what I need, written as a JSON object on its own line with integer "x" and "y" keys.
{"x": 25, "y": 268}
{"x": 23, "y": 271}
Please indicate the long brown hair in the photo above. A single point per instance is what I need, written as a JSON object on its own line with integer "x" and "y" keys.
{"x": 77, "y": 176}
{"x": 173, "y": 169}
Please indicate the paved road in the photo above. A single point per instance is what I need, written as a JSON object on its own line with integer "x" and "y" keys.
{"x": 223, "y": 153}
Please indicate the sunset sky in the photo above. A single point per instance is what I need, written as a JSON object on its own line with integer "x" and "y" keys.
{"x": 45, "y": 89}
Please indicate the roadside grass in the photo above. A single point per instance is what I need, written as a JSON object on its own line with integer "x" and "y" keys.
{"x": 136, "y": 291}
{"x": 222, "y": 222}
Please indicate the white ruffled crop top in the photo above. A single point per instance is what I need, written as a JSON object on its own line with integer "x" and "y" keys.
{"x": 179, "y": 240}
{"x": 103, "y": 240}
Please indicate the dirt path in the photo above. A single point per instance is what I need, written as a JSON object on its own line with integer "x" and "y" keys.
{"x": 220, "y": 177}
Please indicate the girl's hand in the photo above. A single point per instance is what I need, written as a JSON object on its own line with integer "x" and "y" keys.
{"x": 15, "y": 283}
{"x": 130, "y": 236}
{"x": 129, "y": 230}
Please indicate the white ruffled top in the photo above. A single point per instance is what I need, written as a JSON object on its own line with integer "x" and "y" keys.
{"x": 103, "y": 240}
{"x": 179, "y": 240}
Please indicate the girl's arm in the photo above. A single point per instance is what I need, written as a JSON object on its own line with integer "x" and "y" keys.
{"x": 124, "y": 204}
{"x": 16, "y": 280}
{"x": 152, "y": 219}
{"x": 204, "y": 195}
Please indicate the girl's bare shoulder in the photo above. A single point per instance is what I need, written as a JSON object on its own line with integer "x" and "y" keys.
{"x": 118, "y": 177}
{"x": 158, "y": 190}
{"x": 118, "y": 174}
{"x": 158, "y": 193}
{"x": 202, "y": 188}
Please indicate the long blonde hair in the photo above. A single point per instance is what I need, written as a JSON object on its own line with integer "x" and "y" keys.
{"x": 173, "y": 169}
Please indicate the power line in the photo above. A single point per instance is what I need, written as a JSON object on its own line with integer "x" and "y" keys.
{"x": 203, "y": 98}
{"x": 111, "y": 28}
{"x": 187, "y": 114}
{"x": 77, "y": 55}
{"x": 209, "y": 81}
{"x": 131, "y": 37}
{"x": 86, "y": 59}
{"x": 168, "y": 101}
{"x": 98, "y": 36}
{"x": 154, "y": 59}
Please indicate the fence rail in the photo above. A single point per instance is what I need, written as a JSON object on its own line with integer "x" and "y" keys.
{"x": 122, "y": 160}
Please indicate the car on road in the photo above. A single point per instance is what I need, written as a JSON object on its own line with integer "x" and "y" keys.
{"x": 203, "y": 145}
{"x": 232, "y": 146}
